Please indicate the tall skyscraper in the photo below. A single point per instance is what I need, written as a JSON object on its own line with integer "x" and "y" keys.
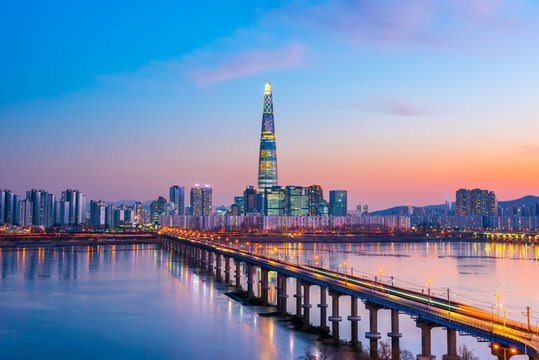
{"x": 338, "y": 203}
{"x": 177, "y": 197}
{"x": 201, "y": 200}
{"x": 267, "y": 164}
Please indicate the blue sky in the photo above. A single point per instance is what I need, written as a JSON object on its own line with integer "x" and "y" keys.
{"x": 398, "y": 102}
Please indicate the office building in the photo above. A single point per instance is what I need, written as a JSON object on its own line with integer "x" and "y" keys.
{"x": 177, "y": 197}
{"x": 238, "y": 200}
{"x": 338, "y": 204}
{"x": 297, "y": 201}
{"x": 316, "y": 197}
{"x": 158, "y": 207}
{"x": 275, "y": 201}
{"x": 250, "y": 200}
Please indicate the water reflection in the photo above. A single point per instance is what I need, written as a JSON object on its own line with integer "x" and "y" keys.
{"x": 139, "y": 301}
{"x": 132, "y": 301}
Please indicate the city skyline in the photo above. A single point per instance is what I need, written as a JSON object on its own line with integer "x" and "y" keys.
{"x": 402, "y": 111}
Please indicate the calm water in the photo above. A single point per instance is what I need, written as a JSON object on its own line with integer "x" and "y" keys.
{"x": 143, "y": 302}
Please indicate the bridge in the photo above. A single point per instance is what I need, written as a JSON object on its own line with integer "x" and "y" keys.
{"x": 507, "y": 337}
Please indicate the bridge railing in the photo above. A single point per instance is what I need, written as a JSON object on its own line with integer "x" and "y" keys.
{"x": 529, "y": 339}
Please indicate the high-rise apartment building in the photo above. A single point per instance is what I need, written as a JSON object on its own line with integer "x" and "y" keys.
{"x": 338, "y": 204}
{"x": 177, "y": 197}
{"x": 97, "y": 213}
{"x": 267, "y": 163}
{"x": 201, "y": 200}
{"x": 26, "y": 211}
{"x": 8, "y": 207}
{"x": 476, "y": 202}
{"x": 250, "y": 204}
{"x": 76, "y": 206}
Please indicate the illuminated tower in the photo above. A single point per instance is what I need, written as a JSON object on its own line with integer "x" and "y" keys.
{"x": 267, "y": 164}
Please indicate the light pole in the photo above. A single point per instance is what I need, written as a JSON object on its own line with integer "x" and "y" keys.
{"x": 428, "y": 284}
{"x": 498, "y": 298}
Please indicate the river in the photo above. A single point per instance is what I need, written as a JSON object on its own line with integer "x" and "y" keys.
{"x": 139, "y": 301}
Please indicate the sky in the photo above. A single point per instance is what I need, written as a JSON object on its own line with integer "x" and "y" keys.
{"x": 398, "y": 102}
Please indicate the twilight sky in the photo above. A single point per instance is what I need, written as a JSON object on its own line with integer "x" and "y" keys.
{"x": 399, "y": 102}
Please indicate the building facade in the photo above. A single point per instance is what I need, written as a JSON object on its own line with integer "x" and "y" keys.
{"x": 201, "y": 200}
{"x": 267, "y": 163}
{"x": 338, "y": 202}
{"x": 177, "y": 197}
{"x": 476, "y": 202}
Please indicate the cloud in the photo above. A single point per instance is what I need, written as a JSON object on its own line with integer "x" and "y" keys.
{"x": 397, "y": 22}
{"x": 391, "y": 106}
{"x": 531, "y": 150}
{"x": 249, "y": 63}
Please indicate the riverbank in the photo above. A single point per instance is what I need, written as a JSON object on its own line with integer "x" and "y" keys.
{"x": 69, "y": 239}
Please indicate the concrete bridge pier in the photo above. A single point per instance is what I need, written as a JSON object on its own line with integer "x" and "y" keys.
{"x": 426, "y": 352}
{"x": 227, "y": 269}
{"x": 218, "y": 266}
{"x": 238, "y": 274}
{"x": 306, "y": 305}
{"x": 210, "y": 261}
{"x": 354, "y": 318}
{"x": 451, "y": 345}
{"x": 264, "y": 286}
{"x": 373, "y": 335}
{"x": 298, "y": 297}
{"x": 335, "y": 318}
{"x": 250, "y": 281}
{"x": 281, "y": 293}
{"x": 395, "y": 335}
{"x": 323, "y": 308}
{"x": 204, "y": 257}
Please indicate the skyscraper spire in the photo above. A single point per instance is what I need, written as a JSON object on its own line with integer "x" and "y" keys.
{"x": 267, "y": 164}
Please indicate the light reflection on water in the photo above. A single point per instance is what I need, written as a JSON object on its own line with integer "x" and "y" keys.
{"x": 128, "y": 301}
{"x": 139, "y": 301}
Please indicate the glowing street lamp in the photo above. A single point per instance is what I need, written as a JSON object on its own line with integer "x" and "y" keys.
{"x": 428, "y": 284}
{"x": 498, "y": 296}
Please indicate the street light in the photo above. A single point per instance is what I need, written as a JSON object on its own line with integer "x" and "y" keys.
{"x": 428, "y": 284}
{"x": 498, "y": 298}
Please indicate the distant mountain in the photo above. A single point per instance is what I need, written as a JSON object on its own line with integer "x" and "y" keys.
{"x": 528, "y": 200}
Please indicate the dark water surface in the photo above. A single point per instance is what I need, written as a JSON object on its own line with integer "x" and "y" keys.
{"x": 142, "y": 302}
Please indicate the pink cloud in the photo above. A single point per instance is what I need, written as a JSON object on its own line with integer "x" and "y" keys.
{"x": 398, "y": 22}
{"x": 249, "y": 63}
{"x": 531, "y": 150}
{"x": 391, "y": 106}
